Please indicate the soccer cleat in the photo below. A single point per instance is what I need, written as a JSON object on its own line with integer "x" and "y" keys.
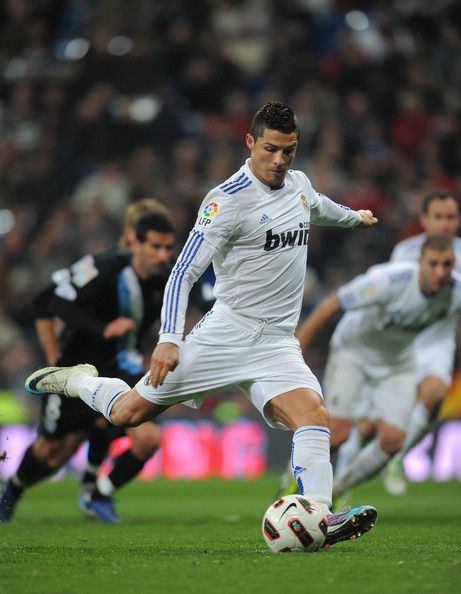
{"x": 287, "y": 484}
{"x": 393, "y": 476}
{"x": 103, "y": 509}
{"x": 343, "y": 502}
{"x": 9, "y": 497}
{"x": 84, "y": 501}
{"x": 53, "y": 380}
{"x": 349, "y": 525}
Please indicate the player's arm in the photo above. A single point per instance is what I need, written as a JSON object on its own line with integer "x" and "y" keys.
{"x": 45, "y": 326}
{"x": 363, "y": 291}
{"x": 325, "y": 310}
{"x": 208, "y": 236}
{"x": 326, "y": 212}
{"x": 191, "y": 264}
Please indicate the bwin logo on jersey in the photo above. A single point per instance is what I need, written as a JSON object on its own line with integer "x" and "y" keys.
{"x": 289, "y": 238}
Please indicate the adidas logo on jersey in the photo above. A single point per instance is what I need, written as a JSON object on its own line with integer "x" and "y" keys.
{"x": 264, "y": 219}
{"x": 289, "y": 238}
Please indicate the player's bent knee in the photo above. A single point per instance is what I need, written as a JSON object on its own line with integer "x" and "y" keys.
{"x": 44, "y": 447}
{"x": 340, "y": 431}
{"x": 391, "y": 440}
{"x": 145, "y": 439}
{"x": 298, "y": 408}
{"x": 56, "y": 452}
{"x": 432, "y": 390}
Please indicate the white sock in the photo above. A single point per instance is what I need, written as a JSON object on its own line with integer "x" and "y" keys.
{"x": 366, "y": 464}
{"x": 105, "y": 486}
{"x": 100, "y": 393}
{"x": 418, "y": 426}
{"x": 310, "y": 463}
{"x": 347, "y": 451}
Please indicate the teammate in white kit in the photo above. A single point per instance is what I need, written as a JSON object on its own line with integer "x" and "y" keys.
{"x": 372, "y": 348}
{"x": 254, "y": 228}
{"x": 434, "y": 360}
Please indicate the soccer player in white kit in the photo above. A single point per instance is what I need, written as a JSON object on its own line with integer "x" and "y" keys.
{"x": 254, "y": 228}
{"x": 434, "y": 359}
{"x": 372, "y": 348}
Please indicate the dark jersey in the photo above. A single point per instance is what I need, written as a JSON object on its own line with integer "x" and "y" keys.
{"x": 91, "y": 293}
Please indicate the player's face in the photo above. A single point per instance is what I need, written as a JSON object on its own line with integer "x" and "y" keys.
{"x": 435, "y": 269}
{"x": 272, "y": 155}
{"x": 153, "y": 255}
{"x": 442, "y": 218}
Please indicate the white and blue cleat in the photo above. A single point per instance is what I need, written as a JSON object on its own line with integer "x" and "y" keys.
{"x": 54, "y": 380}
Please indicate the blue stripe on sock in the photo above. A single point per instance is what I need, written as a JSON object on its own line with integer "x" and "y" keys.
{"x": 320, "y": 429}
{"x": 111, "y": 404}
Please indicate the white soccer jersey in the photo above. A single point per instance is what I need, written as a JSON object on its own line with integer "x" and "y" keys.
{"x": 409, "y": 250}
{"x": 256, "y": 238}
{"x": 386, "y": 310}
{"x": 433, "y": 357}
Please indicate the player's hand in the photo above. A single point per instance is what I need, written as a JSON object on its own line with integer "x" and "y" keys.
{"x": 165, "y": 358}
{"x": 118, "y": 327}
{"x": 368, "y": 220}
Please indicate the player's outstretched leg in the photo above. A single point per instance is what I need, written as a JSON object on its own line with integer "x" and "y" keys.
{"x": 287, "y": 484}
{"x": 55, "y": 380}
{"x": 393, "y": 476}
{"x": 350, "y": 524}
{"x": 9, "y": 497}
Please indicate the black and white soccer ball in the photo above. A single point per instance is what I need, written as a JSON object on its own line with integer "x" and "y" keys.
{"x": 294, "y": 523}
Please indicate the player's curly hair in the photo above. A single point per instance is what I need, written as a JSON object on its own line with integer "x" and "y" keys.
{"x": 275, "y": 116}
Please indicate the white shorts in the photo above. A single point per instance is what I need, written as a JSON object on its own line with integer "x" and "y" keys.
{"x": 435, "y": 356}
{"x": 353, "y": 389}
{"x": 225, "y": 350}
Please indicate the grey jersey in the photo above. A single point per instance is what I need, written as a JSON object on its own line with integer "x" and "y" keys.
{"x": 256, "y": 237}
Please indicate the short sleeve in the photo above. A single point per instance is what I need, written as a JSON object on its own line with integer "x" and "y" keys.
{"x": 365, "y": 290}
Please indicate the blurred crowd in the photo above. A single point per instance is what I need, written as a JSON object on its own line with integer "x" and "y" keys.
{"x": 103, "y": 102}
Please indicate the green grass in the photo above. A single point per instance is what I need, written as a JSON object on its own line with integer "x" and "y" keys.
{"x": 205, "y": 537}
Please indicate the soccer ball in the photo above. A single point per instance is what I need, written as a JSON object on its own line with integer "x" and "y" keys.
{"x": 294, "y": 523}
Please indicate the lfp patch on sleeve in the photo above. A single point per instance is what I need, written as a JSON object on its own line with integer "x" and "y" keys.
{"x": 209, "y": 211}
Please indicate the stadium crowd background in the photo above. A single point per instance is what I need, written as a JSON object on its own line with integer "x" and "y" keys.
{"x": 106, "y": 101}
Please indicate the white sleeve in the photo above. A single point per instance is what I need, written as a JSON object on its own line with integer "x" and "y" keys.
{"x": 397, "y": 255}
{"x": 216, "y": 222}
{"x": 326, "y": 212}
{"x": 367, "y": 289}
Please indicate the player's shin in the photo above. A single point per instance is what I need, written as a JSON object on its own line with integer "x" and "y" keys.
{"x": 347, "y": 451}
{"x": 310, "y": 462}
{"x": 101, "y": 393}
{"x": 126, "y": 467}
{"x": 365, "y": 465}
{"x": 418, "y": 425}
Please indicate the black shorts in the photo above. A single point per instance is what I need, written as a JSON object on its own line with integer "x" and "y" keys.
{"x": 61, "y": 415}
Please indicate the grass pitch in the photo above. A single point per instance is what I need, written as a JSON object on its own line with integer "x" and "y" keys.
{"x": 205, "y": 537}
